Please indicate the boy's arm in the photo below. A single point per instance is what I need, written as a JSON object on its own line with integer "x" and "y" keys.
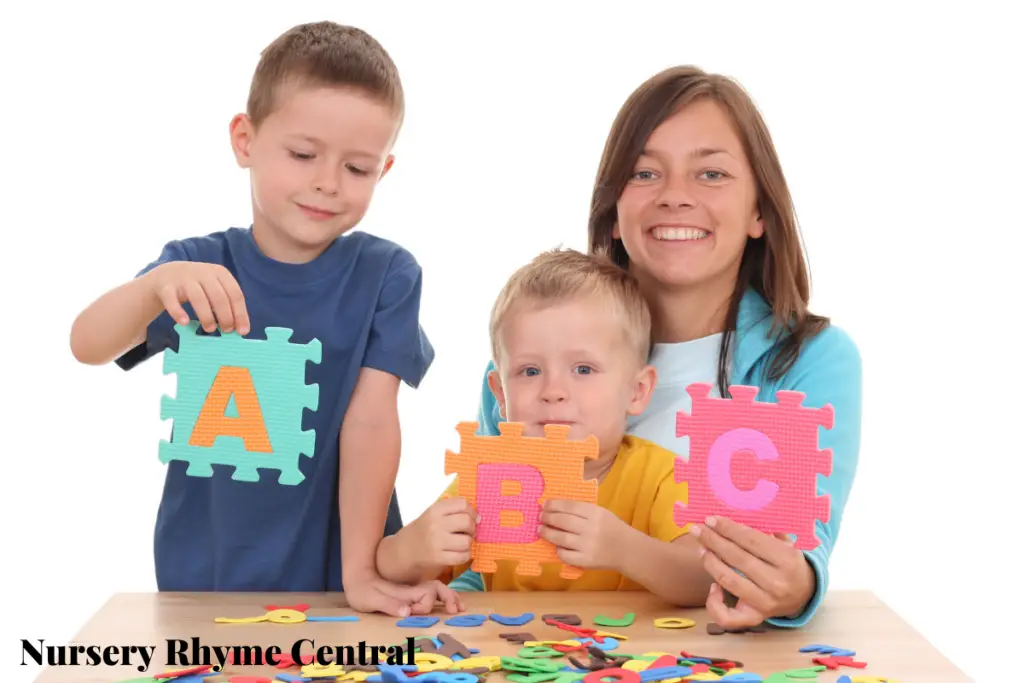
{"x": 370, "y": 445}
{"x": 370, "y": 441}
{"x": 118, "y": 321}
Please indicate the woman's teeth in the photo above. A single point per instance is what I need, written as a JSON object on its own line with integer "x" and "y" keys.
{"x": 679, "y": 234}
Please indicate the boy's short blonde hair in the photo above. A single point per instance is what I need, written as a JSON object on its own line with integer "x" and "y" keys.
{"x": 561, "y": 275}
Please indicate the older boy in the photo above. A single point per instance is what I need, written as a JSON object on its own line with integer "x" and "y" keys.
{"x": 570, "y": 339}
{"x": 325, "y": 107}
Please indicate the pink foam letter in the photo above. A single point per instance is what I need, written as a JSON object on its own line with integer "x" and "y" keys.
{"x": 720, "y": 460}
{"x": 490, "y": 502}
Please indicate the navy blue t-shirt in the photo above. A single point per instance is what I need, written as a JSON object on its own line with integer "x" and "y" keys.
{"x": 361, "y": 300}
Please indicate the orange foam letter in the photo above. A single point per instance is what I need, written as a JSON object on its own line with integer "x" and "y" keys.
{"x": 214, "y": 422}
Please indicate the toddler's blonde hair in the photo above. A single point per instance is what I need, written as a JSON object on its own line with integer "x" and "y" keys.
{"x": 560, "y": 275}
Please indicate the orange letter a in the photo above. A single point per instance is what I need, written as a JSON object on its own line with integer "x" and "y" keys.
{"x": 213, "y": 421}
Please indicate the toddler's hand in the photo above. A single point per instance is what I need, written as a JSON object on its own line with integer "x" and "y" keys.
{"x": 444, "y": 533}
{"x": 212, "y": 290}
{"x": 587, "y": 535}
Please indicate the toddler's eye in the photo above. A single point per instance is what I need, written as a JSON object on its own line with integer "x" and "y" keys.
{"x": 357, "y": 171}
{"x": 301, "y": 156}
{"x": 584, "y": 369}
{"x": 531, "y": 372}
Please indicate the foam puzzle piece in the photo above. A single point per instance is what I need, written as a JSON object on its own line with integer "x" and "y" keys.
{"x": 417, "y": 622}
{"x": 611, "y": 622}
{"x": 524, "y": 618}
{"x": 834, "y": 662}
{"x": 543, "y": 468}
{"x": 674, "y": 622}
{"x": 265, "y": 382}
{"x": 783, "y": 439}
{"x": 467, "y": 620}
{"x": 571, "y": 619}
{"x": 828, "y": 650}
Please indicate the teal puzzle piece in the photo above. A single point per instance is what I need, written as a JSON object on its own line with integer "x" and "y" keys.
{"x": 278, "y": 370}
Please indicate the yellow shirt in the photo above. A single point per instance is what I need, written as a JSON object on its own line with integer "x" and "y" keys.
{"x": 640, "y": 489}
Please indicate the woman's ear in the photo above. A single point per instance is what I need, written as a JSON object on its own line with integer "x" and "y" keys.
{"x": 494, "y": 382}
{"x": 643, "y": 387}
{"x": 616, "y": 235}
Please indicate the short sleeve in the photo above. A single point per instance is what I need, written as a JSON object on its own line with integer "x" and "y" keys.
{"x": 397, "y": 343}
{"x": 662, "y": 524}
{"x": 160, "y": 333}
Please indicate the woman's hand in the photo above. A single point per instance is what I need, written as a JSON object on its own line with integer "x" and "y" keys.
{"x": 776, "y": 580}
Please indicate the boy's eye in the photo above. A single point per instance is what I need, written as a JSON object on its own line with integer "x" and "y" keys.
{"x": 584, "y": 369}
{"x": 357, "y": 171}
{"x": 531, "y": 372}
{"x": 302, "y": 156}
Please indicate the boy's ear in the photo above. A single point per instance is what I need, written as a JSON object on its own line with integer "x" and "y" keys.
{"x": 494, "y": 382}
{"x": 242, "y": 132}
{"x": 643, "y": 387}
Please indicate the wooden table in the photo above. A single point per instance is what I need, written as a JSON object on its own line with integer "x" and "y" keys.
{"x": 853, "y": 620}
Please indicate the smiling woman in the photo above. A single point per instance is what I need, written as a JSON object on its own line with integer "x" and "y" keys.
{"x": 691, "y": 199}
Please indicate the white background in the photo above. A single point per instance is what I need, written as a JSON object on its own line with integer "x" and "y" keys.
{"x": 899, "y": 131}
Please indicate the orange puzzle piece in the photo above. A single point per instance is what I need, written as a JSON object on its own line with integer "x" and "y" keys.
{"x": 539, "y": 469}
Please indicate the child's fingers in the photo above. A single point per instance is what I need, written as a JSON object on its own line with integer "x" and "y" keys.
{"x": 200, "y": 304}
{"x": 564, "y": 521}
{"x": 219, "y": 302}
{"x": 236, "y": 300}
{"x": 169, "y": 299}
{"x": 560, "y": 538}
{"x": 449, "y": 597}
{"x": 458, "y": 524}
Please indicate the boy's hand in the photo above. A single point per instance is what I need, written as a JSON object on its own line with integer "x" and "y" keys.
{"x": 374, "y": 594}
{"x": 587, "y": 535}
{"x": 443, "y": 533}
{"x": 212, "y": 290}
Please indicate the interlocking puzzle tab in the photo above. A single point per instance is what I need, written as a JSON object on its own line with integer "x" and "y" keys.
{"x": 540, "y": 469}
{"x": 240, "y": 402}
{"x": 775, "y": 490}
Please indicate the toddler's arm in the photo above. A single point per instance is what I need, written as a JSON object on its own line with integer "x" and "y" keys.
{"x": 430, "y": 546}
{"x": 671, "y": 570}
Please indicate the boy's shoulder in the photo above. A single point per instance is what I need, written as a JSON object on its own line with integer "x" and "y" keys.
{"x": 645, "y": 453}
{"x": 236, "y": 239}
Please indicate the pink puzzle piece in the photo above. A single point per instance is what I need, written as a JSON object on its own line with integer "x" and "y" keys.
{"x": 490, "y": 502}
{"x": 755, "y": 463}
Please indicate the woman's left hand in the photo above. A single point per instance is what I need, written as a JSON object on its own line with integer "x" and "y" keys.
{"x": 776, "y": 580}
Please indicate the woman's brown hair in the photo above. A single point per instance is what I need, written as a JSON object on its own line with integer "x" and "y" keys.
{"x": 773, "y": 265}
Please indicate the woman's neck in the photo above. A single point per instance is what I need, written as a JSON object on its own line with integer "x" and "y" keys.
{"x": 682, "y": 315}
